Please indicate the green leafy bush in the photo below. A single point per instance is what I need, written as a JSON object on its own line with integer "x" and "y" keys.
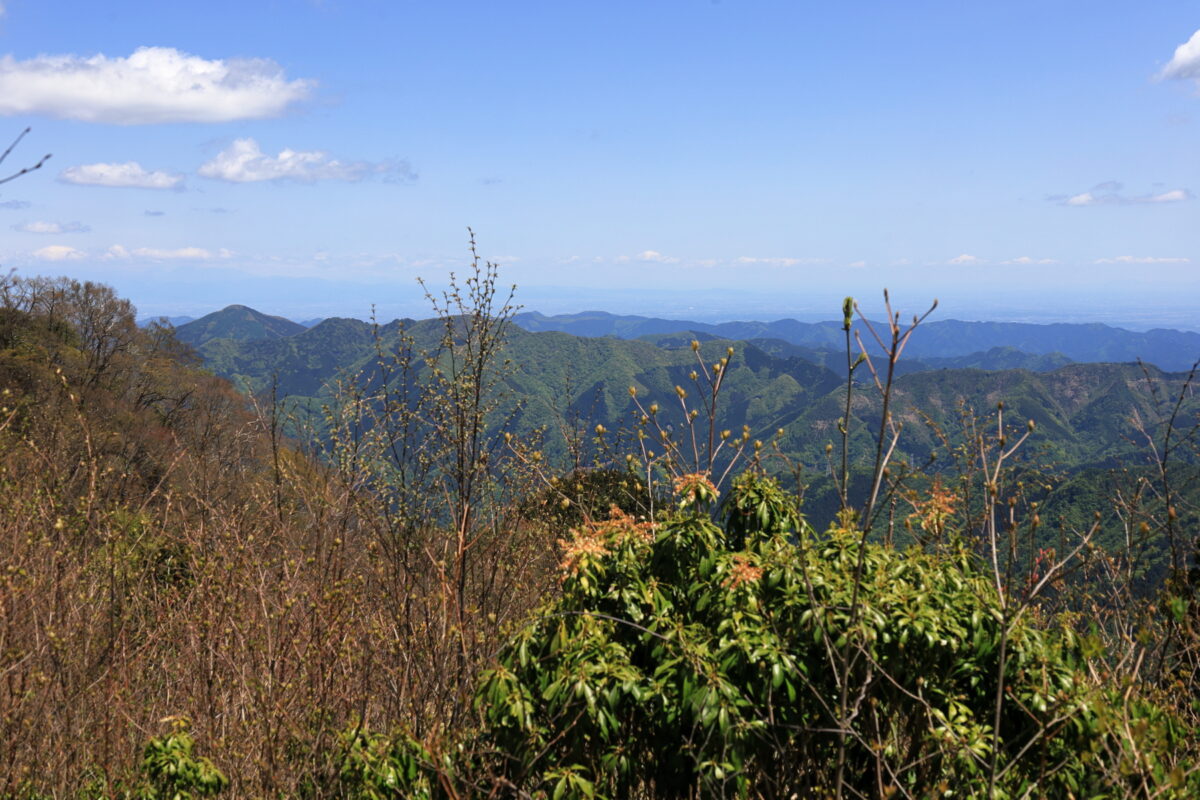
{"x": 173, "y": 772}
{"x": 674, "y": 664}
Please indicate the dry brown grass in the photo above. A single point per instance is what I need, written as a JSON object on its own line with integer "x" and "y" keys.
{"x": 163, "y": 552}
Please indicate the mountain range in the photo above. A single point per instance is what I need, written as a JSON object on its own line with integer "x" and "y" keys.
{"x": 1085, "y": 412}
{"x": 1169, "y": 349}
{"x": 941, "y": 343}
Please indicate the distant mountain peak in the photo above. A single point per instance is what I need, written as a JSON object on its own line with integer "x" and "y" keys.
{"x": 237, "y": 322}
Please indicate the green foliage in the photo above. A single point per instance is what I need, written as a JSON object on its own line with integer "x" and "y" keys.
{"x": 173, "y": 772}
{"x": 374, "y": 767}
{"x": 701, "y": 659}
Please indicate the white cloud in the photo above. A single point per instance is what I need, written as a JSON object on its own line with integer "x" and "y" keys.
{"x": 1186, "y": 61}
{"x": 1109, "y": 194}
{"x": 130, "y": 175}
{"x": 1142, "y": 260}
{"x": 58, "y": 252}
{"x": 857, "y": 264}
{"x": 963, "y": 259}
{"x": 51, "y": 227}
{"x": 244, "y": 162}
{"x": 181, "y": 253}
{"x": 1173, "y": 196}
{"x": 780, "y": 262}
{"x": 121, "y": 252}
{"x": 1025, "y": 260}
{"x": 154, "y": 84}
{"x": 650, "y": 257}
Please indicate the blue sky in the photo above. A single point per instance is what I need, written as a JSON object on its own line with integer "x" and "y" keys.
{"x": 717, "y": 159}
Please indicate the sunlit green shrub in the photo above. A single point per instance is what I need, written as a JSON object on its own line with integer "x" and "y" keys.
{"x": 674, "y": 664}
{"x": 173, "y": 772}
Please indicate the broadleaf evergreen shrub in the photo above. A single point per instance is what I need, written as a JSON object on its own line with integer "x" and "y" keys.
{"x": 172, "y": 770}
{"x": 692, "y": 659}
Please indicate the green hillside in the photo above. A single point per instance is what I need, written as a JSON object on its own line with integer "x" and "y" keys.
{"x": 1082, "y": 411}
{"x": 994, "y": 359}
{"x": 1168, "y": 349}
{"x": 236, "y": 322}
{"x": 1089, "y": 419}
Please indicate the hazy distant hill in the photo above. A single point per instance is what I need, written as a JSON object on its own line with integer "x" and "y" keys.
{"x": 175, "y": 321}
{"x": 236, "y": 322}
{"x": 303, "y": 361}
{"x": 998, "y": 358}
{"x": 994, "y": 359}
{"x": 1093, "y": 342}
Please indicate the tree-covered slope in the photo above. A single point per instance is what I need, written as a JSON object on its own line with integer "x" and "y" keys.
{"x": 236, "y": 322}
{"x": 1084, "y": 413}
{"x": 1093, "y": 342}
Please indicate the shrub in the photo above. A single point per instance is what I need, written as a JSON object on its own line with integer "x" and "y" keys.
{"x": 173, "y": 772}
{"x": 675, "y": 665}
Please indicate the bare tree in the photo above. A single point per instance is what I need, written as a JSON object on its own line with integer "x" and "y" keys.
{"x": 23, "y": 170}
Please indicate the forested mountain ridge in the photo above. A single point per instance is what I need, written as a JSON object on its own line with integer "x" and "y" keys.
{"x": 236, "y": 322}
{"x": 1168, "y": 349}
{"x": 993, "y": 359}
{"x": 943, "y": 343}
{"x": 1085, "y": 412}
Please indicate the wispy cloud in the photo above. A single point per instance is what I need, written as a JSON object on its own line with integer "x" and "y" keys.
{"x": 58, "y": 252}
{"x": 158, "y": 254}
{"x": 1026, "y": 260}
{"x": 964, "y": 259}
{"x": 150, "y": 213}
{"x": 152, "y": 85}
{"x": 1142, "y": 260}
{"x": 15, "y": 204}
{"x": 649, "y": 257}
{"x": 51, "y": 227}
{"x": 244, "y": 162}
{"x": 1109, "y": 194}
{"x": 780, "y": 262}
{"x": 1185, "y": 63}
{"x": 129, "y": 175}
